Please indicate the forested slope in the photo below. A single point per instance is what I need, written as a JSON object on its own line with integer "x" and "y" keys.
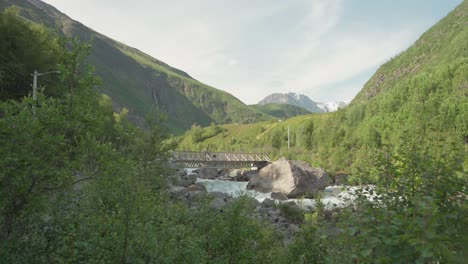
{"x": 282, "y": 111}
{"x": 143, "y": 84}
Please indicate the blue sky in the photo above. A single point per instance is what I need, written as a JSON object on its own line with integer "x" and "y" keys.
{"x": 325, "y": 49}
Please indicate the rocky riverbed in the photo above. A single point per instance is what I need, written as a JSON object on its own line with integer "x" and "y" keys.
{"x": 282, "y": 184}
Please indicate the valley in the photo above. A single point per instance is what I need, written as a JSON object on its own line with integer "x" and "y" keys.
{"x": 121, "y": 158}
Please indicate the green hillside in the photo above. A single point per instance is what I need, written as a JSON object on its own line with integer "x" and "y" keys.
{"x": 282, "y": 111}
{"x": 443, "y": 44}
{"x": 141, "y": 83}
{"x": 418, "y": 97}
{"x": 80, "y": 184}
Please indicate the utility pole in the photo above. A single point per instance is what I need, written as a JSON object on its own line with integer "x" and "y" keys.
{"x": 288, "y": 137}
{"x": 34, "y": 92}
{"x": 35, "y": 86}
{"x": 35, "y": 75}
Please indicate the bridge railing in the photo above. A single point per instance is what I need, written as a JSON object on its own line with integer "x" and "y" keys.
{"x": 218, "y": 156}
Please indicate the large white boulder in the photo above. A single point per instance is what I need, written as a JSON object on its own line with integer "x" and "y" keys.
{"x": 291, "y": 177}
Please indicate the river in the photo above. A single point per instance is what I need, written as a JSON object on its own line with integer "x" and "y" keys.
{"x": 333, "y": 196}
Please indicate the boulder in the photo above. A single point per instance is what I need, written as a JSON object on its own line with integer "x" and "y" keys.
{"x": 195, "y": 195}
{"x": 177, "y": 191}
{"x": 218, "y": 203}
{"x": 223, "y": 175}
{"x": 196, "y": 187}
{"x": 187, "y": 180}
{"x": 181, "y": 173}
{"x": 278, "y": 196}
{"x": 341, "y": 178}
{"x": 246, "y": 175}
{"x": 290, "y": 177}
{"x": 249, "y": 203}
{"x": 208, "y": 173}
{"x": 268, "y": 202}
{"x": 234, "y": 174}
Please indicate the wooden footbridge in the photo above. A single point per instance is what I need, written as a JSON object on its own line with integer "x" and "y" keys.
{"x": 207, "y": 159}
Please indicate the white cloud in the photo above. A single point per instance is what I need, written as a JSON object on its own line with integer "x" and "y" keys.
{"x": 348, "y": 56}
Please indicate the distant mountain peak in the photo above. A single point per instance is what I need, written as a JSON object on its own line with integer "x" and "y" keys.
{"x": 303, "y": 101}
{"x": 333, "y": 106}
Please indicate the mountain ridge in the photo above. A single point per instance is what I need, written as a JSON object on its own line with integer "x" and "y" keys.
{"x": 141, "y": 83}
{"x": 282, "y": 111}
{"x": 303, "y": 101}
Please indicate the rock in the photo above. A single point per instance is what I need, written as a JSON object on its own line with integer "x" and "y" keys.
{"x": 218, "y": 194}
{"x": 258, "y": 209}
{"x": 278, "y": 196}
{"x": 187, "y": 180}
{"x": 333, "y": 191}
{"x": 218, "y": 203}
{"x": 177, "y": 190}
{"x": 268, "y": 202}
{"x": 290, "y": 177}
{"x": 294, "y": 228}
{"x": 250, "y": 203}
{"x": 208, "y": 173}
{"x": 234, "y": 173}
{"x": 247, "y": 175}
{"x": 191, "y": 176}
{"x": 254, "y": 203}
{"x": 224, "y": 177}
{"x": 341, "y": 178}
{"x": 195, "y": 195}
{"x": 181, "y": 173}
{"x": 196, "y": 187}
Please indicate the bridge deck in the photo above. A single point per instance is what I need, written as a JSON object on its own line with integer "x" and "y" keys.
{"x": 192, "y": 159}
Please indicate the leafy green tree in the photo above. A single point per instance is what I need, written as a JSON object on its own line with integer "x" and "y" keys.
{"x": 416, "y": 215}
{"x": 26, "y": 47}
{"x": 308, "y": 132}
{"x": 277, "y": 139}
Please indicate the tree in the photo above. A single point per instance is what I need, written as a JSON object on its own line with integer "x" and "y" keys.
{"x": 26, "y": 47}
{"x": 308, "y": 131}
{"x": 277, "y": 139}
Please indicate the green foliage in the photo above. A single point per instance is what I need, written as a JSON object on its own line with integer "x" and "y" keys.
{"x": 277, "y": 139}
{"x": 292, "y": 212}
{"x": 80, "y": 184}
{"x": 198, "y": 134}
{"x": 234, "y": 236}
{"x": 25, "y": 48}
{"x": 418, "y": 214}
{"x": 73, "y": 181}
{"x": 282, "y": 111}
{"x": 307, "y": 134}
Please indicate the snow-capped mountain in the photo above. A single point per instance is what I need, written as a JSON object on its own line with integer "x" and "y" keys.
{"x": 332, "y": 106}
{"x": 302, "y": 101}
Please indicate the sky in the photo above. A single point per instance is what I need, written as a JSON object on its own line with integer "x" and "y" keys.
{"x": 325, "y": 49}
